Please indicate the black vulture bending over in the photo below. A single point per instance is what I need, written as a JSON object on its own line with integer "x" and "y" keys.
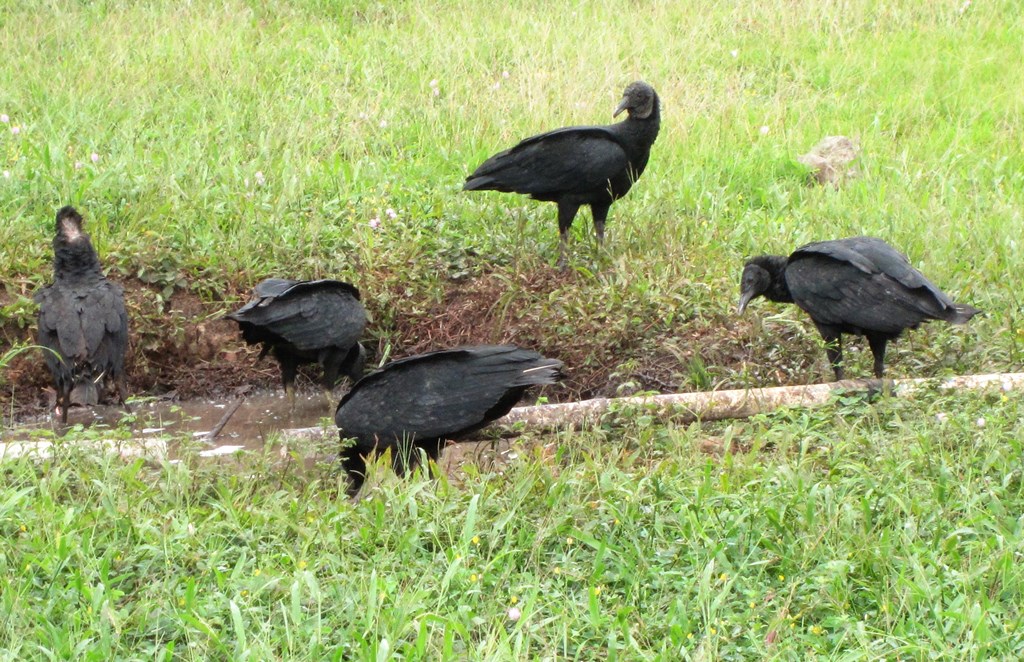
{"x": 860, "y": 285}
{"x": 579, "y": 165}
{"x": 422, "y": 401}
{"x": 306, "y": 321}
{"x": 82, "y": 319}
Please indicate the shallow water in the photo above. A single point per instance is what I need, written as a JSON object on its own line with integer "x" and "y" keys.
{"x": 255, "y": 419}
{"x": 155, "y": 428}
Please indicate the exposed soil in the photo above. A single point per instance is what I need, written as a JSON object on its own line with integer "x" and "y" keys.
{"x": 182, "y": 348}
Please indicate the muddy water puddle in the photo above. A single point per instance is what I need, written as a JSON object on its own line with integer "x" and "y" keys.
{"x": 250, "y": 421}
{"x": 154, "y": 429}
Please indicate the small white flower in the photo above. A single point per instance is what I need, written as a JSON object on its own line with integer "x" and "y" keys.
{"x": 7, "y": 174}
{"x": 504, "y": 74}
{"x": 514, "y": 614}
{"x": 15, "y": 130}
{"x": 374, "y": 223}
{"x": 434, "y": 83}
{"x": 764, "y": 130}
{"x": 941, "y": 417}
{"x": 4, "y": 118}
{"x": 94, "y": 157}
{"x": 980, "y": 422}
{"x": 364, "y": 116}
{"x": 78, "y": 165}
{"x": 437, "y": 92}
{"x": 260, "y": 179}
{"x": 391, "y": 213}
{"x": 383, "y": 124}
{"x": 734, "y": 53}
{"x": 497, "y": 85}
{"x": 964, "y": 7}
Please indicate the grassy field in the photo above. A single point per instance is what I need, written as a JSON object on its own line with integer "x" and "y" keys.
{"x": 885, "y": 530}
{"x": 212, "y": 144}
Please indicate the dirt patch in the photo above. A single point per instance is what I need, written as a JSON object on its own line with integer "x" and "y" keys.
{"x": 181, "y": 347}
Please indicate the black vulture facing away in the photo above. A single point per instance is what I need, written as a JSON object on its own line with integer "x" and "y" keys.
{"x": 860, "y": 285}
{"x": 82, "y": 320}
{"x": 422, "y": 401}
{"x": 306, "y": 321}
{"x": 579, "y": 165}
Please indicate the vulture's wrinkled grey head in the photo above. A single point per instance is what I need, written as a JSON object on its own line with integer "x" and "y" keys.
{"x": 764, "y": 275}
{"x": 69, "y": 224}
{"x": 639, "y": 99}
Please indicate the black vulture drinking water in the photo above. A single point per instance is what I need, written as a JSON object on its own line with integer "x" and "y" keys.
{"x": 860, "y": 285}
{"x": 579, "y": 165}
{"x": 421, "y": 401}
{"x": 82, "y": 320}
{"x": 306, "y": 321}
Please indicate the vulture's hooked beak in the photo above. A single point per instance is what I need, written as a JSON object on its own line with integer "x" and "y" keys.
{"x": 745, "y": 298}
{"x": 623, "y": 105}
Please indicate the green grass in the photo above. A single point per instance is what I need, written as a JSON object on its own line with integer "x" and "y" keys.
{"x": 861, "y": 530}
{"x": 333, "y": 104}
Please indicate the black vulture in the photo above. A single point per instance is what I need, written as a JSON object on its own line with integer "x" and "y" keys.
{"x": 422, "y": 401}
{"x": 306, "y": 321}
{"x": 82, "y": 320}
{"x": 579, "y": 165}
{"x": 859, "y": 285}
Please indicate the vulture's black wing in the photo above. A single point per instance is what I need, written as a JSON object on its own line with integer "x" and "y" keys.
{"x": 441, "y": 394}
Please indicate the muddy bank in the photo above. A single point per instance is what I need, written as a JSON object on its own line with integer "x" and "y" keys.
{"x": 182, "y": 349}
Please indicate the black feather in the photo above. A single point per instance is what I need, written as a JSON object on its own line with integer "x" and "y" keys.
{"x": 861, "y": 286}
{"x": 309, "y": 321}
{"x": 424, "y": 400}
{"x": 82, "y": 320}
{"x": 583, "y": 165}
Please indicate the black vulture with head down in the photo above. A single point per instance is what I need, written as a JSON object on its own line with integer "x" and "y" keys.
{"x": 579, "y": 165}
{"x": 859, "y": 285}
{"x": 82, "y": 320}
{"x": 306, "y": 321}
{"x": 422, "y": 401}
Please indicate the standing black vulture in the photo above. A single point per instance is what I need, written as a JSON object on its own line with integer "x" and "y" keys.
{"x": 306, "y": 321}
{"x": 579, "y": 165}
{"x": 860, "y": 285}
{"x": 422, "y": 401}
{"x": 82, "y": 320}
